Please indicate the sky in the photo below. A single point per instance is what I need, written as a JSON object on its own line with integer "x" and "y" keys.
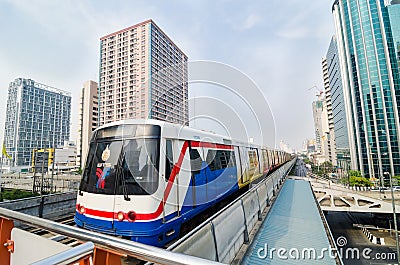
{"x": 276, "y": 44}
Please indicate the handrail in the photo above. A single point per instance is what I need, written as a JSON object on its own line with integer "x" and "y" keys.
{"x": 328, "y": 231}
{"x": 125, "y": 247}
{"x": 69, "y": 256}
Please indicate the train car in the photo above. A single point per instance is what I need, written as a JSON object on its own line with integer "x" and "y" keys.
{"x": 144, "y": 178}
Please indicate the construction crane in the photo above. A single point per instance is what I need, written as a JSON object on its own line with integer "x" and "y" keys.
{"x": 317, "y": 89}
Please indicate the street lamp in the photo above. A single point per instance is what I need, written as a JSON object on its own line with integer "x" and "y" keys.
{"x": 394, "y": 218}
{"x": 380, "y": 169}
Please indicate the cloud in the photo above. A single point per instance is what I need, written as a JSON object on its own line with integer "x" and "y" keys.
{"x": 250, "y": 22}
{"x": 277, "y": 43}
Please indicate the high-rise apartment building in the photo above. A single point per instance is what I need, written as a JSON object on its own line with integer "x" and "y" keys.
{"x": 143, "y": 74}
{"x": 38, "y": 116}
{"x": 338, "y": 106}
{"x": 88, "y": 119}
{"x": 321, "y": 125}
{"x": 368, "y": 59}
{"x": 331, "y": 133}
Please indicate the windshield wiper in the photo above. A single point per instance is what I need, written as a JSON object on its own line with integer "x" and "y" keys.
{"x": 121, "y": 174}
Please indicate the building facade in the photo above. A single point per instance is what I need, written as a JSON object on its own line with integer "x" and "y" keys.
{"x": 38, "y": 117}
{"x": 64, "y": 158}
{"x": 88, "y": 120}
{"x": 331, "y": 133}
{"x": 338, "y": 106}
{"x": 368, "y": 59}
{"x": 143, "y": 74}
{"x": 321, "y": 125}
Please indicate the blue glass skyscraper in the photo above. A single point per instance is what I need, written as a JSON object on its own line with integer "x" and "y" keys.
{"x": 338, "y": 105}
{"x": 371, "y": 87}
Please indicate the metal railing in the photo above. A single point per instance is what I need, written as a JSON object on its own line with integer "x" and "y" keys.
{"x": 215, "y": 239}
{"x": 70, "y": 256}
{"x": 115, "y": 244}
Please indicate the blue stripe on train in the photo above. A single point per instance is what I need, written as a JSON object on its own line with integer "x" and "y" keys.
{"x": 211, "y": 187}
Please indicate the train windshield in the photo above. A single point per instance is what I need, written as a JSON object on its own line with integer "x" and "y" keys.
{"x": 121, "y": 166}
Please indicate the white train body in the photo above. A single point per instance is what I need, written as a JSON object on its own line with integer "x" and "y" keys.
{"x": 144, "y": 178}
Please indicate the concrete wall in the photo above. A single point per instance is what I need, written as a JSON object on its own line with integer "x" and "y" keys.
{"x": 54, "y": 205}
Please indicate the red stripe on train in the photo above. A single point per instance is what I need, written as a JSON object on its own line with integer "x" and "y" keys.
{"x": 175, "y": 171}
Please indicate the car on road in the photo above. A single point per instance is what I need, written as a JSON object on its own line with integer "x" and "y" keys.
{"x": 396, "y": 188}
{"x": 381, "y": 189}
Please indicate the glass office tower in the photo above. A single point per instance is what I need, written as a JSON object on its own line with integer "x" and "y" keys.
{"x": 370, "y": 82}
{"x": 338, "y": 106}
{"x": 38, "y": 116}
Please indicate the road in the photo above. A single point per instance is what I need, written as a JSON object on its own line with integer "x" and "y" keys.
{"x": 300, "y": 169}
{"x": 349, "y": 238}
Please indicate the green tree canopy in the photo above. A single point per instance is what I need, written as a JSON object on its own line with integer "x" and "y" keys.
{"x": 355, "y": 173}
{"x": 360, "y": 181}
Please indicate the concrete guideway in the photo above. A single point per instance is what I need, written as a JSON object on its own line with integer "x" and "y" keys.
{"x": 294, "y": 224}
{"x": 225, "y": 236}
{"x": 334, "y": 197}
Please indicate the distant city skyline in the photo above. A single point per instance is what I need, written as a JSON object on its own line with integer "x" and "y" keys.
{"x": 278, "y": 44}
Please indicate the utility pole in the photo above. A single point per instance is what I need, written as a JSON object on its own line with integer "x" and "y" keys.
{"x": 41, "y": 182}
{"x": 381, "y": 171}
{"x": 52, "y": 166}
{"x": 41, "y": 206}
{"x": 34, "y": 169}
{"x": 372, "y": 173}
{"x": 394, "y": 218}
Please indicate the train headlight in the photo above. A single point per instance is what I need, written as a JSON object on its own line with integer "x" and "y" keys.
{"x": 120, "y": 216}
{"x": 132, "y": 216}
{"x": 81, "y": 209}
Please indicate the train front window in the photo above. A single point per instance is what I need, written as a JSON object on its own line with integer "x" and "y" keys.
{"x": 100, "y": 172}
{"x": 139, "y": 174}
{"x": 128, "y": 167}
{"x": 123, "y": 160}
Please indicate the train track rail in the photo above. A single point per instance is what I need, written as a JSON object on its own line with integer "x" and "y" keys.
{"x": 68, "y": 220}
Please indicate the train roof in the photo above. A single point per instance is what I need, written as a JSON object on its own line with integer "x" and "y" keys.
{"x": 182, "y": 132}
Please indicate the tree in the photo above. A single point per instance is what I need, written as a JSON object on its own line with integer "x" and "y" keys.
{"x": 327, "y": 168}
{"x": 355, "y": 173}
{"x": 308, "y": 161}
{"x": 356, "y": 179}
{"x": 395, "y": 180}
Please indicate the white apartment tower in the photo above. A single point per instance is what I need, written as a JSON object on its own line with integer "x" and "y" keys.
{"x": 321, "y": 125}
{"x": 143, "y": 74}
{"x": 88, "y": 119}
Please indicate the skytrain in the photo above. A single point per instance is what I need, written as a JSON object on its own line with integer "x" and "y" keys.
{"x": 144, "y": 179}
